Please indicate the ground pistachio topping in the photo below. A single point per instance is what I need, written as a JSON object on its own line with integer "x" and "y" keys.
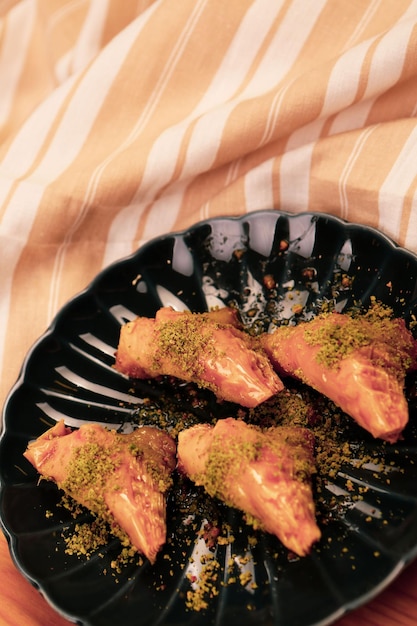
{"x": 183, "y": 340}
{"x": 338, "y": 339}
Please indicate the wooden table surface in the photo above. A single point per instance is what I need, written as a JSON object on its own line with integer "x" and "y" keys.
{"x": 22, "y": 605}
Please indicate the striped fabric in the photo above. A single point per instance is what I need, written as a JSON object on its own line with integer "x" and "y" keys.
{"x": 122, "y": 121}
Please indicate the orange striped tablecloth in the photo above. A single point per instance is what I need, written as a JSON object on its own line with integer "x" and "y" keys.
{"x": 123, "y": 121}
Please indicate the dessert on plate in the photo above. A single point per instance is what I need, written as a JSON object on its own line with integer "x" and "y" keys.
{"x": 266, "y": 474}
{"x": 359, "y": 362}
{"x": 208, "y": 349}
{"x": 123, "y": 478}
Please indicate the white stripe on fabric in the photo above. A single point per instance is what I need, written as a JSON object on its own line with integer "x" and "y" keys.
{"x": 385, "y": 71}
{"x": 16, "y": 221}
{"x": 272, "y": 119}
{"x": 310, "y": 133}
{"x": 389, "y": 56}
{"x": 89, "y": 41}
{"x": 204, "y": 212}
{"x": 343, "y": 83}
{"x": 305, "y": 137}
{"x": 208, "y": 131}
{"x": 394, "y": 188}
{"x": 100, "y": 75}
{"x": 295, "y": 178}
{"x": 63, "y": 67}
{"x": 349, "y": 165}
{"x": 76, "y": 122}
{"x": 143, "y": 119}
{"x": 82, "y": 111}
{"x": 285, "y": 48}
{"x": 163, "y": 156}
{"x": 348, "y": 119}
{"x": 25, "y": 201}
{"x": 17, "y": 27}
{"x": 29, "y": 140}
{"x": 352, "y": 118}
{"x": 232, "y": 172}
{"x": 258, "y": 184}
{"x": 19, "y": 217}
{"x": 363, "y": 23}
{"x": 410, "y": 239}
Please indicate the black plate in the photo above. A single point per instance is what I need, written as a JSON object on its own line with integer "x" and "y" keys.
{"x": 68, "y": 374}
